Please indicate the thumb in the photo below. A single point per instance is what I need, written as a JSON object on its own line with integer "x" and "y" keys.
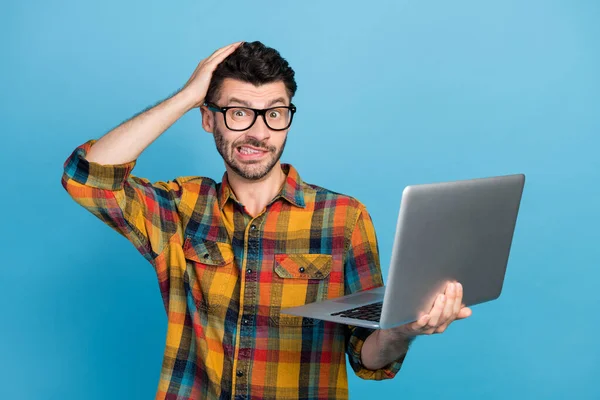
{"x": 464, "y": 312}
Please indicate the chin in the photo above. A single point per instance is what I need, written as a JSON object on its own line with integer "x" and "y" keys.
{"x": 256, "y": 175}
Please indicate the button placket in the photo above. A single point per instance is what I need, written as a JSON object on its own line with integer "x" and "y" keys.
{"x": 247, "y": 318}
{"x": 251, "y": 282}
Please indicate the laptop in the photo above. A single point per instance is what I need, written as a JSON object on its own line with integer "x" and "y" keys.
{"x": 451, "y": 231}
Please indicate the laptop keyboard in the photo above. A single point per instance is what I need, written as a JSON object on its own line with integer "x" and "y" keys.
{"x": 368, "y": 312}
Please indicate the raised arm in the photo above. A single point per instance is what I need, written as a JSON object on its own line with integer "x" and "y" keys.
{"x": 98, "y": 174}
{"x": 127, "y": 141}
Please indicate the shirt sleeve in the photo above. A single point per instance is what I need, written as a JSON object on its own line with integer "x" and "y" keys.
{"x": 363, "y": 272}
{"x": 145, "y": 213}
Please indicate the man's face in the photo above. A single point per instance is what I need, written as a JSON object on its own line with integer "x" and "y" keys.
{"x": 252, "y": 153}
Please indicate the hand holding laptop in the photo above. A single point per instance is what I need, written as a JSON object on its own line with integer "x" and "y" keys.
{"x": 447, "y": 308}
{"x": 447, "y": 232}
{"x": 386, "y": 345}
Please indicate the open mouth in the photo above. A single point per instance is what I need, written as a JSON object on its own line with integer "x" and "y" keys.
{"x": 250, "y": 152}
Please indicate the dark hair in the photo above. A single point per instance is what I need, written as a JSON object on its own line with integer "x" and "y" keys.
{"x": 254, "y": 63}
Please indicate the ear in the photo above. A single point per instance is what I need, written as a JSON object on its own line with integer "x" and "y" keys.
{"x": 208, "y": 119}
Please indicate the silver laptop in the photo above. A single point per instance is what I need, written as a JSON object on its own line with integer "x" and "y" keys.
{"x": 452, "y": 231}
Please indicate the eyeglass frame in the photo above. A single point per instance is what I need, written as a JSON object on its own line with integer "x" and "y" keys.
{"x": 257, "y": 112}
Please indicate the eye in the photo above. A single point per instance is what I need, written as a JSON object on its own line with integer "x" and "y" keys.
{"x": 273, "y": 114}
{"x": 239, "y": 112}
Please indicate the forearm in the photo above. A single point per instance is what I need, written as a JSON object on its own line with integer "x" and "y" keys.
{"x": 381, "y": 348}
{"x": 127, "y": 141}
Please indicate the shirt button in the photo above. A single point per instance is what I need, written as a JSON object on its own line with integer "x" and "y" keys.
{"x": 301, "y": 269}
{"x": 240, "y": 372}
{"x": 245, "y": 322}
{"x": 249, "y": 271}
{"x": 206, "y": 256}
{"x": 253, "y": 227}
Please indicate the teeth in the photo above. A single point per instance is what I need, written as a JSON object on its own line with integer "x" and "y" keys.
{"x": 246, "y": 150}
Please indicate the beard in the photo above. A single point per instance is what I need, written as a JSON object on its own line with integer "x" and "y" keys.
{"x": 254, "y": 170}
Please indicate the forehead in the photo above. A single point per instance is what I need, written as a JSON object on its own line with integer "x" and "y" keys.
{"x": 256, "y": 96}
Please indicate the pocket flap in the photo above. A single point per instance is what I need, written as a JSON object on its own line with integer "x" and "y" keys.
{"x": 305, "y": 266}
{"x": 207, "y": 252}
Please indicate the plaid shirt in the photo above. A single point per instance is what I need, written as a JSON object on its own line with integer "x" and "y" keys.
{"x": 224, "y": 276}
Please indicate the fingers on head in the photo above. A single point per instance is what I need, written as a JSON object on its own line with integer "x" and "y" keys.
{"x": 222, "y": 53}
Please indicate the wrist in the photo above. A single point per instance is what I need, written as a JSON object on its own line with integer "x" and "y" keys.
{"x": 392, "y": 336}
{"x": 187, "y": 99}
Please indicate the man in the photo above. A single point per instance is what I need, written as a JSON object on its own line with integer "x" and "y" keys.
{"x": 230, "y": 255}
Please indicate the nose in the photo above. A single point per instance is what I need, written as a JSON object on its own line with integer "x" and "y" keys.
{"x": 260, "y": 131}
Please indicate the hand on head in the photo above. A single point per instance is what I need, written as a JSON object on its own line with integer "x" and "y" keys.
{"x": 197, "y": 85}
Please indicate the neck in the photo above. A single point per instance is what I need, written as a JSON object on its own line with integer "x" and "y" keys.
{"x": 255, "y": 195}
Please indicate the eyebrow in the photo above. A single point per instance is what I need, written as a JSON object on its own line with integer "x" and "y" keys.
{"x": 247, "y": 104}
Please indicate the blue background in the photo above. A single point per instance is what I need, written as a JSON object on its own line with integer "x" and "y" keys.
{"x": 390, "y": 94}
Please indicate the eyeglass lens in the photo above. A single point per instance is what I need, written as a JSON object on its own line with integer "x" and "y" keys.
{"x": 242, "y": 118}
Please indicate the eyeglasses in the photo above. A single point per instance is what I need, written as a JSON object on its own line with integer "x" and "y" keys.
{"x": 242, "y": 118}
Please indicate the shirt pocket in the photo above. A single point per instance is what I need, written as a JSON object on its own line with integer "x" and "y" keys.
{"x": 210, "y": 267}
{"x": 298, "y": 279}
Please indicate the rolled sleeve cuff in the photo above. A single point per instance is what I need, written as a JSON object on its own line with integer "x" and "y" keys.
{"x": 107, "y": 177}
{"x": 355, "y": 344}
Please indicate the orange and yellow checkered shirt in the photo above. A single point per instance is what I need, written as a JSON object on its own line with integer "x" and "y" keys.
{"x": 224, "y": 276}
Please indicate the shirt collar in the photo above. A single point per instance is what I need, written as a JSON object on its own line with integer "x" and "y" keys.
{"x": 290, "y": 191}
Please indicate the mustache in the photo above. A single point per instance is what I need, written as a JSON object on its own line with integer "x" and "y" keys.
{"x": 255, "y": 143}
